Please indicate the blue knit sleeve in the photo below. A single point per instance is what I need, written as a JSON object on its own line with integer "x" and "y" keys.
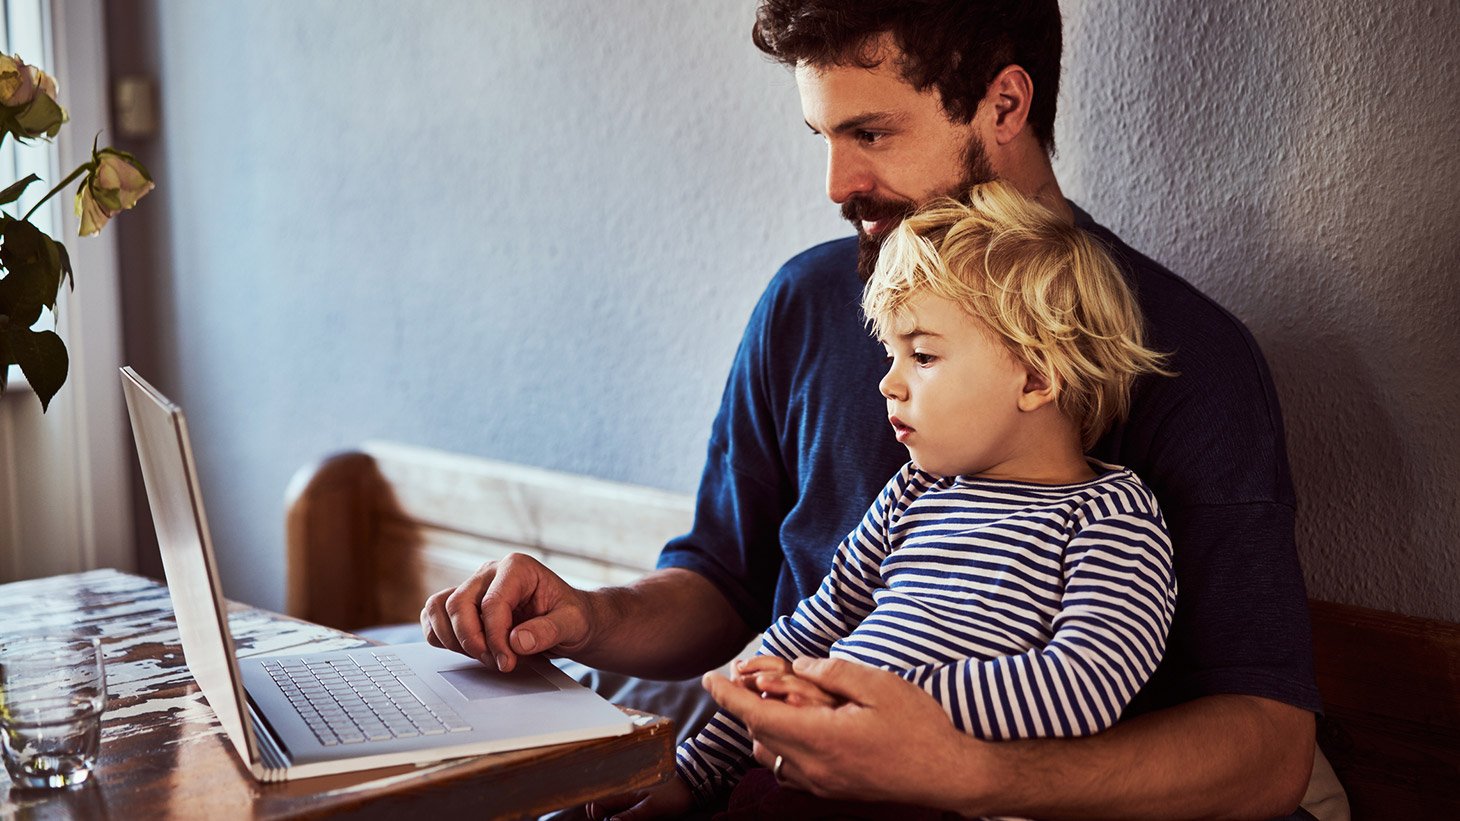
{"x": 718, "y": 756}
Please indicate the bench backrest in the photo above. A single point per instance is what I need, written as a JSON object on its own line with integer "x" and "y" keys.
{"x": 1391, "y": 703}
{"x": 372, "y": 533}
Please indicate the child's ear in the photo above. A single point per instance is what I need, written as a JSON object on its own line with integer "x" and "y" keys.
{"x": 1039, "y": 390}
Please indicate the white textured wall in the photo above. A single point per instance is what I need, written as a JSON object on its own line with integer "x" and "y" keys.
{"x": 1300, "y": 162}
{"x": 532, "y": 231}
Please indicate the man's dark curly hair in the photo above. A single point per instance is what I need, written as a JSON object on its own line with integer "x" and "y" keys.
{"x": 955, "y": 46}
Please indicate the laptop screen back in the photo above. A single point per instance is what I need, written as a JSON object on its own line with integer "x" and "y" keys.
{"x": 187, "y": 554}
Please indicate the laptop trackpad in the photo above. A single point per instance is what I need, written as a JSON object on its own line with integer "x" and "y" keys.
{"x": 475, "y": 684}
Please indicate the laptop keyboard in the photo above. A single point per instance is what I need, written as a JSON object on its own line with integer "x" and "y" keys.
{"x": 348, "y": 702}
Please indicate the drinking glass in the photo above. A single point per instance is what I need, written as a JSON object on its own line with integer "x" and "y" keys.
{"x": 52, "y": 693}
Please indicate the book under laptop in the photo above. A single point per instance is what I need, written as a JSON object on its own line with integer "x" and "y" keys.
{"x": 299, "y": 716}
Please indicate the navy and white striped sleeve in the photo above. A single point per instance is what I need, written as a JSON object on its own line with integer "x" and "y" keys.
{"x": 845, "y": 596}
{"x": 1116, "y": 608}
{"x": 718, "y": 756}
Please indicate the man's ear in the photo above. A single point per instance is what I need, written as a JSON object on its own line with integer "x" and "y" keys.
{"x": 1010, "y": 95}
{"x": 1039, "y": 390}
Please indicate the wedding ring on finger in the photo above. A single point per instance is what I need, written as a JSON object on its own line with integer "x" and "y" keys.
{"x": 776, "y": 768}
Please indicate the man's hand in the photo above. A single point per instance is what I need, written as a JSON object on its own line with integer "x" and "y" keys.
{"x": 772, "y": 677}
{"x": 668, "y": 800}
{"x": 884, "y": 725}
{"x": 672, "y": 623}
{"x": 509, "y": 608}
{"x": 1227, "y": 756}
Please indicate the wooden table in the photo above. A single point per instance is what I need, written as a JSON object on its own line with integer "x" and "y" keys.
{"x": 164, "y": 755}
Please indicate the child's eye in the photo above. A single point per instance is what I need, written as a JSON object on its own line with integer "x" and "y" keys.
{"x": 923, "y": 359}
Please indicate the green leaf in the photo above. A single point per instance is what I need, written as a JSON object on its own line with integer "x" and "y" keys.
{"x": 5, "y": 359}
{"x": 21, "y": 305}
{"x": 65, "y": 265}
{"x": 51, "y": 258}
{"x": 42, "y": 116}
{"x": 13, "y": 193}
{"x": 35, "y": 270}
{"x": 22, "y": 308}
{"x": 41, "y": 356}
{"x": 14, "y": 307}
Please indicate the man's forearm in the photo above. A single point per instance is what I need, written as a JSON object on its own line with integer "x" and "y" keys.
{"x": 1215, "y": 757}
{"x": 670, "y": 624}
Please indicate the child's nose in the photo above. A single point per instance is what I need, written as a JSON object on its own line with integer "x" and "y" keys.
{"x": 892, "y": 387}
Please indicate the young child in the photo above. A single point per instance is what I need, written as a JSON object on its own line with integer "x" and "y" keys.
{"x": 1026, "y": 588}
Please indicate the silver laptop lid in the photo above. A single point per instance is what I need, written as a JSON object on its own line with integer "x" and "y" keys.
{"x": 187, "y": 555}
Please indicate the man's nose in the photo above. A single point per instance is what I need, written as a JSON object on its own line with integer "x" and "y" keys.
{"x": 846, "y": 174}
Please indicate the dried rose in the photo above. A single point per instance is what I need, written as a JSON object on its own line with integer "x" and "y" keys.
{"x": 17, "y": 84}
{"x": 115, "y": 183}
{"x": 43, "y": 81}
{"x": 28, "y": 96}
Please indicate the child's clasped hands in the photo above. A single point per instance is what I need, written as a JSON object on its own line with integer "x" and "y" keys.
{"x": 773, "y": 677}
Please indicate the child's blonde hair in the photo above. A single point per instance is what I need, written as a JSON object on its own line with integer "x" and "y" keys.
{"x": 1045, "y": 288}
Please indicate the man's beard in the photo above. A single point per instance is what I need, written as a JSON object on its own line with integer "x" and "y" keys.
{"x": 859, "y": 207}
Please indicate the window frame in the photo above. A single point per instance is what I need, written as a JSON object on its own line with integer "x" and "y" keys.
{"x": 74, "y": 510}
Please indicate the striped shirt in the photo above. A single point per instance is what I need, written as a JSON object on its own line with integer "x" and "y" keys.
{"x": 1026, "y": 610}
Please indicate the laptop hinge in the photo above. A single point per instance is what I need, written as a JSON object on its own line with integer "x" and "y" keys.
{"x": 274, "y": 761}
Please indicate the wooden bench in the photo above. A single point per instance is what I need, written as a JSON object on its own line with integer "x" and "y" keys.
{"x": 372, "y": 533}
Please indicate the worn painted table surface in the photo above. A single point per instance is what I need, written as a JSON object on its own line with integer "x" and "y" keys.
{"x": 164, "y": 754}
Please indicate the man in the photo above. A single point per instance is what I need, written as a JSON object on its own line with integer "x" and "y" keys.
{"x": 916, "y": 100}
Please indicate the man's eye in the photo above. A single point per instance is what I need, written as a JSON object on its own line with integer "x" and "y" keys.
{"x": 923, "y": 358}
{"x": 868, "y": 137}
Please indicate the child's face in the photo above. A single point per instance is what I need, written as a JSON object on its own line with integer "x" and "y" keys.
{"x": 952, "y": 391}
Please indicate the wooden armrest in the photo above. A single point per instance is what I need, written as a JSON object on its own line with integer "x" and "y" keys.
{"x": 1391, "y": 696}
{"x": 331, "y": 518}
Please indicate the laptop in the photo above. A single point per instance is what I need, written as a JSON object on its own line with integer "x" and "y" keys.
{"x": 299, "y": 716}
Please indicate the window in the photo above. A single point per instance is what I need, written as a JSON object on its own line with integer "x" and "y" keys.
{"x": 65, "y": 497}
{"x": 26, "y": 32}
